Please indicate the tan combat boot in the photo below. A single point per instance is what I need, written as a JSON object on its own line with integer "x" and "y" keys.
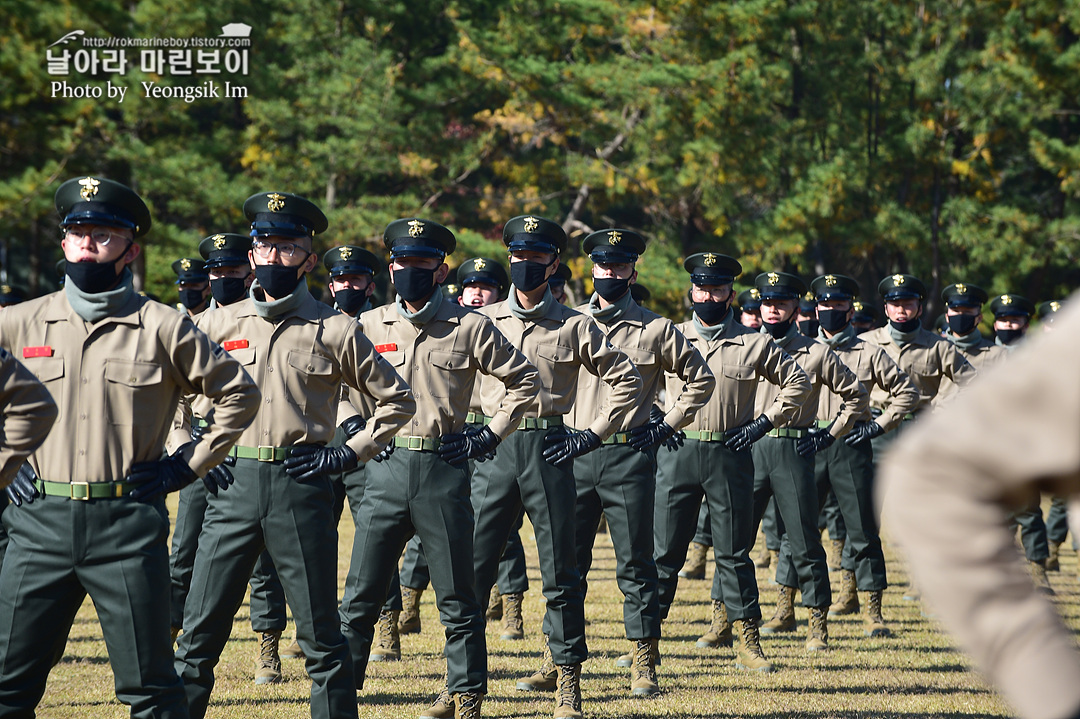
{"x": 1053, "y": 562}
{"x": 847, "y": 601}
{"x": 873, "y": 623}
{"x": 764, "y": 558}
{"x": 495, "y": 606}
{"x": 748, "y": 654}
{"x": 409, "y": 620}
{"x": 695, "y": 562}
{"x": 293, "y": 651}
{"x": 268, "y": 665}
{"x": 467, "y": 705}
{"x": 643, "y": 672}
{"x": 719, "y": 634}
{"x": 513, "y": 623}
{"x": 817, "y": 636}
{"x": 625, "y": 661}
{"x": 568, "y": 692}
{"x": 784, "y": 618}
{"x": 834, "y": 554}
{"x": 544, "y": 678}
{"x": 1038, "y": 574}
{"x": 442, "y": 707}
{"x": 387, "y": 646}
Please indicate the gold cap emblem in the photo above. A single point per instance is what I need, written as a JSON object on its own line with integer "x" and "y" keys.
{"x": 1006, "y": 300}
{"x": 219, "y": 241}
{"x": 276, "y": 202}
{"x": 755, "y": 293}
{"x": 531, "y": 224}
{"x": 961, "y": 288}
{"x": 6, "y": 289}
{"x": 774, "y": 279}
{"x": 185, "y": 264}
{"x": 345, "y": 253}
{"x": 830, "y": 280}
{"x": 89, "y": 187}
{"x": 858, "y": 306}
{"x": 479, "y": 264}
{"x": 710, "y": 259}
{"x": 809, "y": 297}
{"x": 1054, "y": 306}
{"x": 897, "y": 280}
{"x": 416, "y": 228}
{"x": 614, "y": 237}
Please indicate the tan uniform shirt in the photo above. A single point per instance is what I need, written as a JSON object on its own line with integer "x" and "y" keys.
{"x": 982, "y": 357}
{"x": 875, "y": 369}
{"x": 440, "y": 359}
{"x": 824, "y": 369}
{"x": 27, "y": 413}
{"x": 947, "y": 488}
{"x": 559, "y": 343}
{"x": 926, "y": 360}
{"x": 300, "y": 362}
{"x": 654, "y": 346}
{"x": 737, "y": 358}
{"x": 117, "y": 384}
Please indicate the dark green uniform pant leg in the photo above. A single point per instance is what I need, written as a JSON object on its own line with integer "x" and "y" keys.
{"x": 618, "y": 481}
{"x": 781, "y": 472}
{"x": 1057, "y": 521}
{"x": 191, "y": 508}
{"x": 830, "y": 517}
{"x": 703, "y": 535}
{"x": 353, "y": 484}
{"x": 771, "y": 526}
{"x": 1032, "y": 531}
{"x": 519, "y": 477}
{"x": 726, "y": 479}
{"x": 117, "y": 552}
{"x": 417, "y": 491}
{"x": 268, "y": 607}
{"x": 3, "y": 531}
{"x": 266, "y": 509}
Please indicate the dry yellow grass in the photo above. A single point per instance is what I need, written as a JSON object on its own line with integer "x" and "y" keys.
{"x": 914, "y": 673}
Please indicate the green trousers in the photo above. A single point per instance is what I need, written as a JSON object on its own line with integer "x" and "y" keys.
{"x": 115, "y": 550}
{"x": 415, "y": 491}
{"x": 849, "y": 473}
{"x": 726, "y": 481}
{"x": 294, "y": 522}
{"x": 619, "y": 482}
{"x": 519, "y": 478}
{"x": 781, "y": 473}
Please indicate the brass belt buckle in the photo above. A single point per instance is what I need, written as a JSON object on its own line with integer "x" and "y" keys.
{"x": 266, "y": 453}
{"x": 86, "y": 489}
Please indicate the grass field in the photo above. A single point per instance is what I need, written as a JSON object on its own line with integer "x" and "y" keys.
{"x": 914, "y": 673}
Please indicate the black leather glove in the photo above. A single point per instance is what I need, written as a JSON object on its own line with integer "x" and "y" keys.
{"x": 353, "y": 425}
{"x": 22, "y": 488}
{"x": 863, "y": 432}
{"x": 160, "y": 477}
{"x": 675, "y": 441}
{"x": 218, "y": 477}
{"x": 751, "y": 432}
{"x": 814, "y": 442}
{"x": 473, "y": 443}
{"x": 560, "y": 448}
{"x": 198, "y": 429}
{"x": 656, "y": 414}
{"x": 650, "y": 434}
{"x": 385, "y": 454}
{"x": 309, "y": 461}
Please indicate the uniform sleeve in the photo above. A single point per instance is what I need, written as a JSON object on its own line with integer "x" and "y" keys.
{"x": 600, "y": 358}
{"x": 210, "y": 371}
{"x": 947, "y": 489}
{"x": 365, "y": 370}
{"x": 843, "y": 382}
{"x": 778, "y": 367}
{"x": 682, "y": 359}
{"x": 903, "y": 394}
{"x": 27, "y": 411}
{"x": 956, "y": 367}
{"x": 180, "y": 432}
{"x": 497, "y": 358}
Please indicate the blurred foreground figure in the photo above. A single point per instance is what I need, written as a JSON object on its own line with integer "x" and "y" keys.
{"x": 947, "y": 493}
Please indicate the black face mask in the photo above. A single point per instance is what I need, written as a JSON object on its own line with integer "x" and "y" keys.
{"x": 610, "y": 288}
{"x": 711, "y": 313}
{"x": 92, "y": 277}
{"x": 528, "y": 275}
{"x": 832, "y": 320}
{"x": 808, "y": 328}
{"x": 191, "y": 298}
{"x": 278, "y": 281}
{"x": 414, "y": 283}
{"x": 1009, "y": 336}
{"x": 962, "y": 324}
{"x": 349, "y": 300}
{"x": 779, "y": 329}
{"x": 909, "y": 326}
{"x": 226, "y": 290}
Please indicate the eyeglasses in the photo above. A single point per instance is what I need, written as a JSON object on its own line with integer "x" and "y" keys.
{"x": 285, "y": 250}
{"x": 101, "y": 236}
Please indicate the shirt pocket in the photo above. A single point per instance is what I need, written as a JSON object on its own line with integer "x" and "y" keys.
{"x": 450, "y": 375}
{"x": 50, "y": 372}
{"x": 739, "y": 385}
{"x": 555, "y": 362}
{"x": 311, "y": 380}
{"x": 245, "y": 356}
{"x": 133, "y": 392}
